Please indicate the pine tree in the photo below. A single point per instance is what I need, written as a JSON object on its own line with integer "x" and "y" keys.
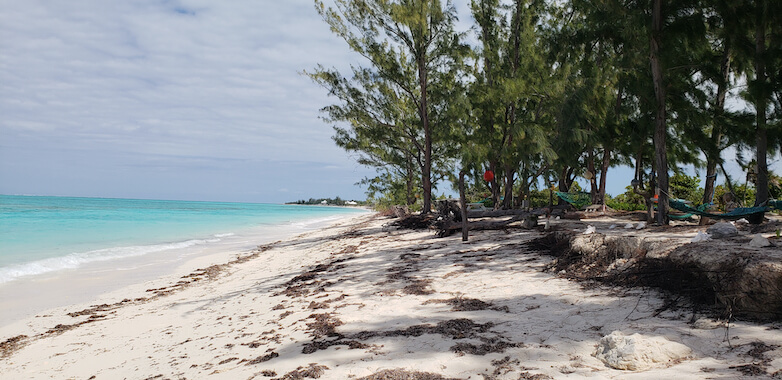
{"x": 414, "y": 52}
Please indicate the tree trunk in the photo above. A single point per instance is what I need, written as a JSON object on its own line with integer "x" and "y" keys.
{"x": 410, "y": 196}
{"x": 761, "y": 138}
{"x": 550, "y": 191}
{"x": 639, "y": 189}
{"x": 593, "y": 189}
{"x": 426, "y": 173}
{"x": 727, "y": 179}
{"x": 709, "y": 186}
{"x": 713, "y": 156}
{"x": 494, "y": 186}
{"x": 463, "y": 201}
{"x": 603, "y": 176}
{"x": 563, "y": 184}
{"x": 660, "y": 129}
{"x": 507, "y": 203}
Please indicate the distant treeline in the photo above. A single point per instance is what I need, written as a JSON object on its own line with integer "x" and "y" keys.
{"x": 330, "y": 201}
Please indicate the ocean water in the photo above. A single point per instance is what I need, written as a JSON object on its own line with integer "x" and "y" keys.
{"x": 44, "y": 235}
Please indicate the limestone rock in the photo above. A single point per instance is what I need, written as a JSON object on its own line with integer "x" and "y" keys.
{"x": 759, "y": 242}
{"x": 638, "y": 353}
{"x": 701, "y": 237}
{"x": 722, "y": 230}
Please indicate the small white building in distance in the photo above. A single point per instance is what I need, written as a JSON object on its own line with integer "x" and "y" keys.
{"x": 351, "y": 203}
{"x": 324, "y": 202}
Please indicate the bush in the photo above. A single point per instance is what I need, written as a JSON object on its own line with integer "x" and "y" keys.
{"x": 627, "y": 201}
{"x": 625, "y": 206}
{"x": 539, "y": 198}
{"x": 686, "y": 187}
{"x": 744, "y": 194}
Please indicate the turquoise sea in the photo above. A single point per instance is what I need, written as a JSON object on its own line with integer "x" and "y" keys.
{"x": 40, "y": 234}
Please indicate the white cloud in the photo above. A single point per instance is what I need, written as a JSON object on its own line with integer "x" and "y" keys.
{"x": 175, "y": 84}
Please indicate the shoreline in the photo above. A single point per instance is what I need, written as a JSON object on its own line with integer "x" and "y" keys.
{"x": 29, "y": 295}
{"x": 362, "y": 299}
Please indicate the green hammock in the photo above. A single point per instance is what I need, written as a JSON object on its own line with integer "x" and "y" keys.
{"x": 775, "y": 204}
{"x": 701, "y": 208}
{"x": 578, "y": 200}
{"x": 736, "y": 214}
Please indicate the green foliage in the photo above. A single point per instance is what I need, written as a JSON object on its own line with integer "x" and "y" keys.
{"x": 628, "y": 201}
{"x": 624, "y": 206}
{"x": 553, "y": 85}
{"x": 775, "y": 186}
{"x": 683, "y": 186}
{"x": 400, "y": 107}
{"x": 744, "y": 194}
{"x": 509, "y": 115}
{"x": 540, "y": 198}
{"x": 575, "y": 187}
{"x": 629, "y": 196}
{"x": 388, "y": 189}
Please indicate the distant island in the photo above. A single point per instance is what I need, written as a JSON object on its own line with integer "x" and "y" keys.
{"x": 328, "y": 201}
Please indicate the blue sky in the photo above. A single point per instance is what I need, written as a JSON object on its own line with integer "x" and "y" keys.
{"x": 190, "y": 99}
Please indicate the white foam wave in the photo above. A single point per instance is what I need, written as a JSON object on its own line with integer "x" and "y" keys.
{"x": 224, "y": 235}
{"x": 316, "y": 223}
{"x": 75, "y": 260}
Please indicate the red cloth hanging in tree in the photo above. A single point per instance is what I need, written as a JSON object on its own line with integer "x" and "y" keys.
{"x": 488, "y": 176}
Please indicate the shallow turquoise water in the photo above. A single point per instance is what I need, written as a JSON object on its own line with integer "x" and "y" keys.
{"x": 44, "y": 234}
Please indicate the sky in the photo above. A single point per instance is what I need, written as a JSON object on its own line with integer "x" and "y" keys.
{"x": 174, "y": 99}
{"x": 166, "y": 99}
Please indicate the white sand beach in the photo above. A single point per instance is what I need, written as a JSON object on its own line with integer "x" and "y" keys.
{"x": 360, "y": 299}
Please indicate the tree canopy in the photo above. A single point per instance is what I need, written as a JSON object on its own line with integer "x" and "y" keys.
{"x": 552, "y": 90}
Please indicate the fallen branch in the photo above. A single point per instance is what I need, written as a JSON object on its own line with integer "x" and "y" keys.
{"x": 527, "y": 220}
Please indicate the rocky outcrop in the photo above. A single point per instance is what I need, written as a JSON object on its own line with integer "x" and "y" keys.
{"x": 743, "y": 278}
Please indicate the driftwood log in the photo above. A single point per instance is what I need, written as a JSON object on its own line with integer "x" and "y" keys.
{"x": 451, "y": 219}
{"x": 527, "y": 221}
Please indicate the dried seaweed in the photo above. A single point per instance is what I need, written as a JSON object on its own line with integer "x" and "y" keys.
{"x": 325, "y": 324}
{"x": 317, "y": 345}
{"x": 462, "y": 328}
{"x": 400, "y": 374}
{"x": 416, "y": 221}
{"x": 751, "y": 369}
{"x": 418, "y": 288}
{"x": 263, "y": 358}
{"x": 483, "y": 349}
{"x": 314, "y": 371}
{"x": 469, "y": 304}
{"x": 11, "y": 345}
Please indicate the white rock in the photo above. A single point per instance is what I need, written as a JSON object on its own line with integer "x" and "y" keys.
{"x": 611, "y": 227}
{"x": 722, "y": 230}
{"x": 629, "y": 225}
{"x": 637, "y": 352}
{"x": 640, "y": 226}
{"x": 742, "y": 221}
{"x": 590, "y": 230}
{"x": 701, "y": 236}
{"x": 759, "y": 241}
